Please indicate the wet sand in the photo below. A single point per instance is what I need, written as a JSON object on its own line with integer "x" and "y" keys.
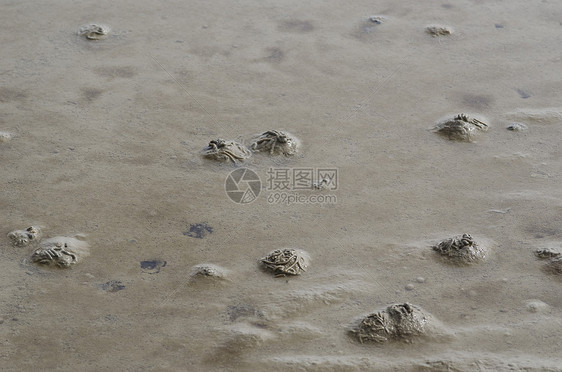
{"x": 103, "y": 138}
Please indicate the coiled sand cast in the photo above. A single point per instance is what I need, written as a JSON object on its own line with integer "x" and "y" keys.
{"x": 225, "y": 150}
{"x": 275, "y": 142}
{"x": 460, "y": 128}
{"x": 397, "y": 322}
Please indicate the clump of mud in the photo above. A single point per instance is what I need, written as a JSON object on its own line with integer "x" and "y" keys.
{"x": 5, "y": 137}
{"x": 225, "y": 150}
{"x": 288, "y": 261}
{"x": 460, "y": 128}
{"x": 94, "y": 31}
{"x": 208, "y": 271}
{"x": 61, "y": 251}
{"x": 275, "y": 142}
{"x": 438, "y": 30}
{"x": 554, "y": 260}
{"x": 377, "y": 19}
{"x": 461, "y": 249}
{"x": 21, "y": 238}
{"x": 398, "y": 322}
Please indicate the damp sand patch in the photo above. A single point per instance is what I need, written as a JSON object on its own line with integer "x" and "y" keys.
{"x": 308, "y": 299}
{"x": 551, "y": 115}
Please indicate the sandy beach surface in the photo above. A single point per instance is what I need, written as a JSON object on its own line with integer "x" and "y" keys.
{"x": 101, "y": 140}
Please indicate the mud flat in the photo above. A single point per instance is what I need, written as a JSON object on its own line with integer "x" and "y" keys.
{"x": 107, "y": 139}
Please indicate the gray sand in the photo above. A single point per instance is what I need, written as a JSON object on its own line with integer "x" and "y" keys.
{"x": 106, "y": 138}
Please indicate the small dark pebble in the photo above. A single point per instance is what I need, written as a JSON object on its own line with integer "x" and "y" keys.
{"x": 198, "y": 230}
{"x": 152, "y": 266}
{"x": 498, "y": 25}
{"x": 112, "y": 286}
{"x": 523, "y": 94}
{"x": 517, "y": 127}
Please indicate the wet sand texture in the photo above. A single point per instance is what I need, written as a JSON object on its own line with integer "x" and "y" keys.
{"x": 22, "y": 238}
{"x": 61, "y": 251}
{"x": 460, "y": 128}
{"x": 275, "y": 142}
{"x": 398, "y": 322}
{"x": 286, "y": 261}
{"x": 106, "y": 138}
{"x": 554, "y": 266}
{"x": 224, "y": 150}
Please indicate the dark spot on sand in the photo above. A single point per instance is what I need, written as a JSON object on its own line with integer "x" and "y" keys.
{"x": 116, "y": 72}
{"x": 540, "y": 232}
{"x": 553, "y": 266}
{"x": 517, "y": 127}
{"x": 243, "y": 311}
{"x": 8, "y": 94}
{"x": 112, "y": 286}
{"x": 477, "y": 101}
{"x": 152, "y": 266}
{"x": 296, "y": 25}
{"x": 91, "y": 94}
{"x": 198, "y": 230}
{"x": 523, "y": 94}
{"x": 497, "y": 25}
{"x": 447, "y": 6}
{"x": 276, "y": 55}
